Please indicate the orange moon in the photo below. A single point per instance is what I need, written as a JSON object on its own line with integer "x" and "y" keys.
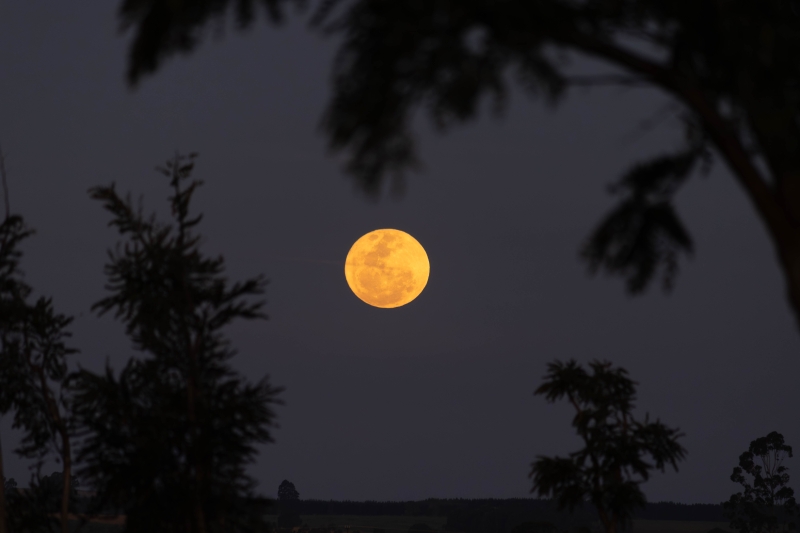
{"x": 387, "y": 268}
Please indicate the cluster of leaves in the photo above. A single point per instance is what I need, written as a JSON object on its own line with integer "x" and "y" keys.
{"x": 767, "y": 505}
{"x": 608, "y": 470}
{"x": 164, "y": 28}
{"x": 644, "y": 233}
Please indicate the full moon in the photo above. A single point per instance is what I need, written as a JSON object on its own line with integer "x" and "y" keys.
{"x": 387, "y": 268}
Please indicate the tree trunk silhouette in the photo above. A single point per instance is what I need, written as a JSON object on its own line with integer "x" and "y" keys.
{"x": 65, "y": 451}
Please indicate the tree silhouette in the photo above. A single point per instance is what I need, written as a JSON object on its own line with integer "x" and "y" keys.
{"x": 288, "y": 497}
{"x": 33, "y": 371}
{"x": 608, "y": 470}
{"x": 169, "y": 438}
{"x": 768, "y": 503}
{"x": 287, "y": 492}
{"x": 13, "y": 293}
{"x": 730, "y": 66}
{"x": 37, "y": 352}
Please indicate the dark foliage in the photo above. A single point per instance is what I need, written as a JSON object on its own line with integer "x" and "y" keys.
{"x": 607, "y": 472}
{"x": 33, "y": 371}
{"x": 644, "y": 234}
{"x": 49, "y": 489}
{"x": 445, "y": 56}
{"x": 27, "y": 512}
{"x": 287, "y": 492}
{"x": 168, "y": 439}
{"x": 36, "y": 509}
{"x": 532, "y": 508}
{"x": 731, "y": 66}
{"x": 13, "y": 294}
{"x": 166, "y": 28}
{"x": 36, "y": 349}
{"x": 460, "y": 52}
{"x": 767, "y": 505}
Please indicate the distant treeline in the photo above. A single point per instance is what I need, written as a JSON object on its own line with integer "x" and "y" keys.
{"x": 452, "y": 508}
{"x": 700, "y": 512}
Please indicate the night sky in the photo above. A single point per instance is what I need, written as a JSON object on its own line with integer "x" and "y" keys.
{"x": 434, "y": 399}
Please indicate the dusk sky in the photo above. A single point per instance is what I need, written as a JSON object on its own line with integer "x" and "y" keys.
{"x": 433, "y": 399}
